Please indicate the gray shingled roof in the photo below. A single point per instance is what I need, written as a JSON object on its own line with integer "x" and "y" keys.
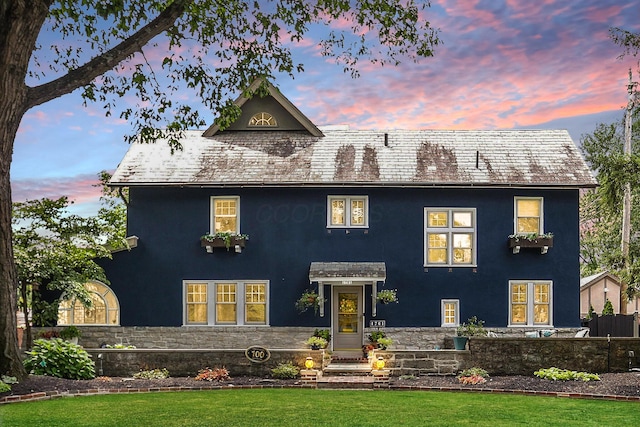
{"x": 361, "y": 157}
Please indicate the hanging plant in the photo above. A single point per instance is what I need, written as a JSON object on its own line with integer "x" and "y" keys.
{"x": 387, "y": 296}
{"x": 309, "y": 299}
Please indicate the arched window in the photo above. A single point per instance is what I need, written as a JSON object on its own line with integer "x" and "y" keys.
{"x": 263, "y": 120}
{"x": 105, "y": 309}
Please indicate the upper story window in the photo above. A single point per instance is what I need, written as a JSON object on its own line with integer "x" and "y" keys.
{"x": 528, "y": 215}
{"x": 530, "y": 303}
{"x": 225, "y": 214}
{"x": 450, "y": 237}
{"x": 263, "y": 119}
{"x": 226, "y": 303}
{"x": 348, "y": 211}
{"x": 104, "y": 310}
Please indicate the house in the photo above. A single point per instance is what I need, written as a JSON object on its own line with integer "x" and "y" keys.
{"x": 347, "y": 213}
{"x": 596, "y": 289}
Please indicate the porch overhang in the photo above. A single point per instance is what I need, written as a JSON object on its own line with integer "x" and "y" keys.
{"x": 346, "y": 273}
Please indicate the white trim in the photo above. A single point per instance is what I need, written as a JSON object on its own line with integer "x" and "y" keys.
{"x": 515, "y": 213}
{"x": 212, "y": 212}
{"x": 456, "y": 302}
{"x": 530, "y": 303}
{"x": 211, "y": 302}
{"x": 347, "y": 210}
{"x": 450, "y": 230}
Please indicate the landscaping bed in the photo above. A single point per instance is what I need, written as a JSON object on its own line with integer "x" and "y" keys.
{"x": 613, "y": 384}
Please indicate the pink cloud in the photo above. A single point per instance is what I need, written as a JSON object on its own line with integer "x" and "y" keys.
{"x": 79, "y": 189}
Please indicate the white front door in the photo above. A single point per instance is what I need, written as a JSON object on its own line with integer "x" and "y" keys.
{"x": 347, "y": 320}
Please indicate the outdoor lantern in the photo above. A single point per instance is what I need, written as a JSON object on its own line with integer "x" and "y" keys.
{"x": 308, "y": 363}
{"x": 380, "y": 363}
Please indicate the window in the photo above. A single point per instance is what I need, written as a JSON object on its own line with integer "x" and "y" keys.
{"x": 450, "y": 237}
{"x": 263, "y": 120}
{"x": 450, "y": 312}
{"x": 225, "y": 215}
{"x": 231, "y": 303}
{"x": 530, "y": 303}
{"x": 348, "y": 211}
{"x": 104, "y": 310}
{"x": 528, "y": 215}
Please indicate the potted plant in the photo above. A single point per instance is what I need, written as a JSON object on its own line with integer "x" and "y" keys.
{"x": 316, "y": 343}
{"x": 471, "y": 328}
{"x": 323, "y": 333}
{"x": 309, "y": 299}
{"x": 387, "y": 296}
{"x": 377, "y": 339}
{"x": 223, "y": 239}
{"x": 70, "y": 333}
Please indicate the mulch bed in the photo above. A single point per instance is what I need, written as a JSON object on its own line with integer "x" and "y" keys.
{"x": 624, "y": 385}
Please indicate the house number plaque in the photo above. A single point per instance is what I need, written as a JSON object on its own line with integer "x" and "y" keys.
{"x": 257, "y": 354}
{"x": 377, "y": 323}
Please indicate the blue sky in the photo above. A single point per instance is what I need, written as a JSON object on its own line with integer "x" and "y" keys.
{"x": 504, "y": 64}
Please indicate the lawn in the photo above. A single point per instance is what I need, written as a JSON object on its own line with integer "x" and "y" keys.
{"x": 308, "y": 407}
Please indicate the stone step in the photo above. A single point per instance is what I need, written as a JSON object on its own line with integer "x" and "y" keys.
{"x": 349, "y": 382}
{"x": 343, "y": 369}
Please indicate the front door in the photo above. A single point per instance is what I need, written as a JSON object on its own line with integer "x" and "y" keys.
{"x": 347, "y": 318}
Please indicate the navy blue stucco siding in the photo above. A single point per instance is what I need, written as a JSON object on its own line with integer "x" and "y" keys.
{"x": 287, "y": 228}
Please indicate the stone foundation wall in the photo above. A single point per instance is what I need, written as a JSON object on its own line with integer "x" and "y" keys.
{"x": 424, "y": 362}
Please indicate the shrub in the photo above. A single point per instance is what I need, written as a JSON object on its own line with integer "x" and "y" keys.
{"x": 317, "y": 342}
{"x": 47, "y": 335}
{"x": 152, "y": 374}
{"x": 4, "y": 387}
{"x": 70, "y": 332}
{"x": 215, "y": 374}
{"x": 323, "y": 333}
{"x": 557, "y": 374}
{"x": 376, "y": 335}
{"x": 473, "y": 327}
{"x": 121, "y": 346}
{"x": 473, "y": 376}
{"x": 608, "y": 308}
{"x": 59, "y": 358}
{"x": 285, "y": 371}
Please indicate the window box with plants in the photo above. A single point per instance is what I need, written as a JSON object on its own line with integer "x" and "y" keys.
{"x": 531, "y": 240}
{"x": 224, "y": 240}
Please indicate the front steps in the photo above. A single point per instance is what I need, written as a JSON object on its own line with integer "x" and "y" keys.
{"x": 351, "y": 373}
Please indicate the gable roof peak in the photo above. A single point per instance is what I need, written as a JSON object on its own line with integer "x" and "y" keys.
{"x": 254, "y": 89}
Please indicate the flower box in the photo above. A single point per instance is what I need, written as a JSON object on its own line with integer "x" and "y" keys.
{"x": 237, "y": 242}
{"x": 542, "y": 243}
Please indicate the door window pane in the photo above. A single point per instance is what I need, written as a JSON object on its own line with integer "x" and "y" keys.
{"x": 348, "y": 312}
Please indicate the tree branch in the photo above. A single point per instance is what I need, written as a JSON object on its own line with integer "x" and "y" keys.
{"x": 108, "y": 60}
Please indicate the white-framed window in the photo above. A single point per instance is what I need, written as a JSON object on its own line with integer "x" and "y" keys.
{"x": 347, "y": 211}
{"x": 450, "y": 237}
{"x": 263, "y": 119}
{"x": 528, "y": 215}
{"x": 450, "y": 309}
{"x": 530, "y": 303}
{"x": 225, "y": 214}
{"x": 104, "y": 310}
{"x": 224, "y": 302}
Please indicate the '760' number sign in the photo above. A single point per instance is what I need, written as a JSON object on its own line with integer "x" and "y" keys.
{"x": 257, "y": 354}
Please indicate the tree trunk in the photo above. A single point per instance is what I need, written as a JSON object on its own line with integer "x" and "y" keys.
{"x": 20, "y": 24}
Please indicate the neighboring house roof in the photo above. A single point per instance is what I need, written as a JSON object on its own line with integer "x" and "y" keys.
{"x": 304, "y": 155}
{"x": 585, "y": 282}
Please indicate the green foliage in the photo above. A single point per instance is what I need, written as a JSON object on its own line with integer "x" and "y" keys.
{"x": 591, "y": 312}
{"x": 4, "y": 387}
{"x": 215, "y": 374}
{"x": 152, "y": 374}
{"x": 318, "y": 342}
{"x": 557, "y": 374}
{"x": 384, "y": 343}
{"x": 608, "y": 308}
{"x": 285, "y": 371}
{"x": 374, "y": 336}
{"x": 473, "y": 376}
{"x": 309, "y": 299}
{"x": 121, "y": 346}
{"x": 323, "y": 333}
{"x": 471, "y": 328}
{"x": 8, "y": 379}
{"x": 70, "y": 332}
{"x": 387, "y": 296}
{"x": 59, "y": 358}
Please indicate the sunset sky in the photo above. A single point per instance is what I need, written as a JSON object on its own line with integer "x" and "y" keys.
{"x": 503, "y": 64}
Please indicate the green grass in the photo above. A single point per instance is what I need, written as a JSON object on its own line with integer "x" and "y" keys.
{"x": 308, "y": 407}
